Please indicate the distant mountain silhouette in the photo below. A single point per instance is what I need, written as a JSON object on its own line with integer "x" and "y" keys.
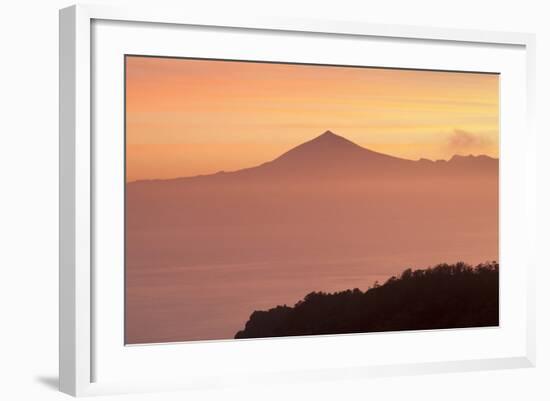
{"x": 442, "y": 297}
{"x": 333, "y": 156}
{"x": 333, "y": 150}
{"x": 324, "y": 200}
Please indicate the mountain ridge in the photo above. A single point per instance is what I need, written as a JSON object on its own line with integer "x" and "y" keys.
{"x": 328, "y": 153}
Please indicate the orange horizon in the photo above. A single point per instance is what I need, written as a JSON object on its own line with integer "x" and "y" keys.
{"x": 187, "y": 117}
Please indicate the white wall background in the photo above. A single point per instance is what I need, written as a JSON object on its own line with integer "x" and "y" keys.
{"x": 29, "y": 210}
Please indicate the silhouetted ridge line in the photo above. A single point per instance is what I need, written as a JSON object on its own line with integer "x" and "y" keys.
{"x": 331, "y": 145}
{"x": 441, "y": 297}
{"x": 332, "y": 155}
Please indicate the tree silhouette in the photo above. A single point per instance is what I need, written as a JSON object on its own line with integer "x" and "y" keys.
{"x": 444, "y": 296}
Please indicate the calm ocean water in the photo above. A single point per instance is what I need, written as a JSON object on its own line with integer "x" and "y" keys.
{"x": 214, "y": 302}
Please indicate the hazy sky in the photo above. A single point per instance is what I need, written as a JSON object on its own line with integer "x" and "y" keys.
{"x": 189, "y": 117}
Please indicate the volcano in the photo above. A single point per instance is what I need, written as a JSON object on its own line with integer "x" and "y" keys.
{"x": 332, "y": 156}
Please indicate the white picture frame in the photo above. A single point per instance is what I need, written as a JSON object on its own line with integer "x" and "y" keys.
{"x": 78, "y": 368}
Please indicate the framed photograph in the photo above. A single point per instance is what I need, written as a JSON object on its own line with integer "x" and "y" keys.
{"x": 272, "y": 200}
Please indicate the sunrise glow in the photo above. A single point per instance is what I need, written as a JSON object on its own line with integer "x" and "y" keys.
{"x": 187, "y": 117}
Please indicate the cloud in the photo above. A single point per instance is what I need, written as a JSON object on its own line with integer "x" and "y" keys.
{"x": 463, "y": 141}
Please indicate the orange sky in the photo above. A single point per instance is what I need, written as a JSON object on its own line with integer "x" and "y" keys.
{"x": 188, "y": 117}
